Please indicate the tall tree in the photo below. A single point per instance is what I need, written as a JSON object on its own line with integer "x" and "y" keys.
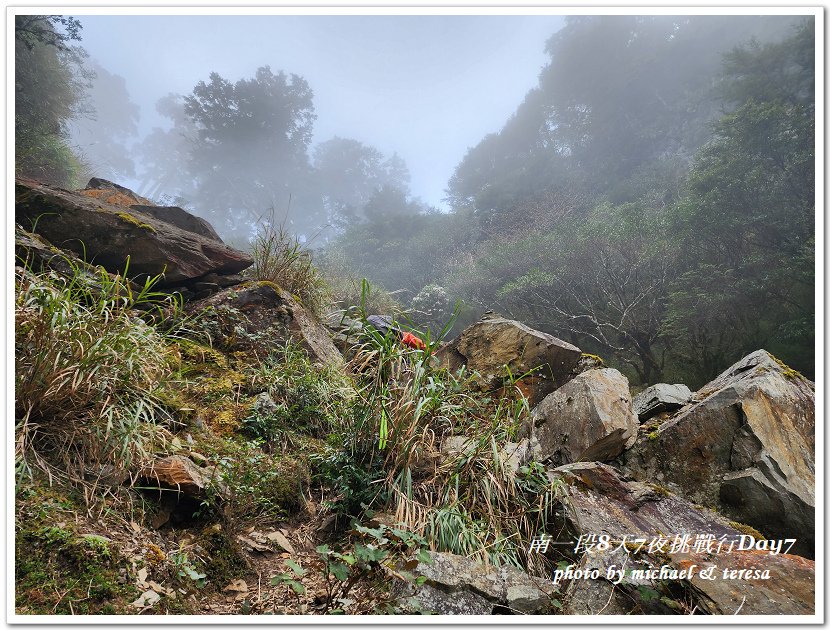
{"x": 350, "y": 173}
{"x": 749, "y": 218}
{"x": 620, "y": 94}
{"x": 50, "y": 85}
{"x": 252, "y": 142}
{"x": 246, "y": 146}
{"x": 165, "y": 154}
{"x": 103, "y": 137}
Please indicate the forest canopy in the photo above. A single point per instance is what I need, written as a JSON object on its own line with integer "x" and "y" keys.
{"x": 651, "y": 199}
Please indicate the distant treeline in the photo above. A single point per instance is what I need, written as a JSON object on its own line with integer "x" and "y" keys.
{"x": 651, "y": 200}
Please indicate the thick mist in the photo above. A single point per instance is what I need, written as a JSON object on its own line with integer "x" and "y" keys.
{"x": 641, "y": 185}
{"x": 422, "y": 88}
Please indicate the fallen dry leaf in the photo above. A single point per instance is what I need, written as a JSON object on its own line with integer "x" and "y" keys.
{"x": 147, "y": 598}
{"x": 158, "y": 588}
{"x": 281, "y": 540}
{"x": 237, "y": 586}
{"x": 253, "y": 544}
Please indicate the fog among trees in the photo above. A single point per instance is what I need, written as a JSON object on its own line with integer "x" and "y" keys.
{"x": 651, "y": 199}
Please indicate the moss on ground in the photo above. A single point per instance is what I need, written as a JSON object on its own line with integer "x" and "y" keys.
{"x": 60, "y": 571}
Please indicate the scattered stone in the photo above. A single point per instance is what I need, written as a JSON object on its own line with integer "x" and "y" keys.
{"x": 587, "y": 419}
{"x": 236, "y": 586}
{"x": 659, "y": 398}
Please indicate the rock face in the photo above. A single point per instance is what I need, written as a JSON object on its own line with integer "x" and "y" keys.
{"x": 659, "y": 398}
{"x": 106, "y": 233}
{"x": 37, "y": 254}
{"x": 120, "y": 196}
{"x": 745, "y": 445}
{"x": 588, "y": 418}
{"x": 790, "y": 589}
{"x": 456, "y": 585}
{"x": 177, "y": 474}
{"x": 259, "y": 316}
{"x": 112, "y": 193}
{"x": 494, "y": 342}
{"x": 181, "y": 218}
{"x": 603, "y": 502}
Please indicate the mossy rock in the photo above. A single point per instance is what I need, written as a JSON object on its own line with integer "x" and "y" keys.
{"x": 747, "y": 529}
{"x": 787, "y": 371}
{"x": 126, "y": 216}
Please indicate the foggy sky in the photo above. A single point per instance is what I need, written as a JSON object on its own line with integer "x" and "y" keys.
{"x": 426, "y": 87}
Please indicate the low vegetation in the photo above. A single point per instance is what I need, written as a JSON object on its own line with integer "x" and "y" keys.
{"x": 111, "y": 376}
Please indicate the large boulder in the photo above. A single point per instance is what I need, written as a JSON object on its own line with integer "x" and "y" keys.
{"x": 117, "y": 195}
{"x": 664, "y": 530}
{"x": 108, "y": 233}
{"x": 455, "y": 585}
{"x": 260, "y": 316}
{"x": 498, "y": 348}
{"x": 588, "y": 418}
{"x": 745, "y": 445}
{"x": 659, "y": 398}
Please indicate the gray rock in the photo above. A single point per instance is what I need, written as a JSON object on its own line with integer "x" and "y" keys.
{"x": 601, "y": 501}
{"x": 745, "y": 444}
{"x": 456, "y": 445}
{"x": 588, "y": 418}
{"x": 266, "y": 315}
{"x": 264, "y": 404}
{"x": 181, "y": 218}
{"x": 660, "y": 397}
{"x": 439, "y": 602}
{"x": 457, "y": 585}
{"x": 496, "y": 347}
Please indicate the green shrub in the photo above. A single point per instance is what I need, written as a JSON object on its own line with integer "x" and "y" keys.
{"x": 253, "y": 485}
{"x": 86, "y": 367}
{"x": 279, "y": 257}
{"x": 306, "y": 398}
{"x": 472, "y": 502}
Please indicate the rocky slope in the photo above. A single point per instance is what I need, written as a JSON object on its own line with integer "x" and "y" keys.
{"x": 669, "y": 488}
